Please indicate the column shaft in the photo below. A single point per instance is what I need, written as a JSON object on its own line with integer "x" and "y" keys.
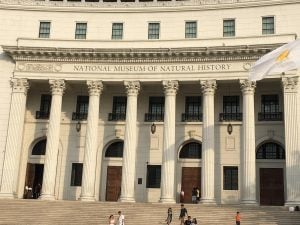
{"x": 129, "y": 156}
{"x": 91, "y": 142}
{"x": 50, "y": 166}
{"x": 14, "y": 138}
{"x": 208, "y": 145}
{"x": 169, "y": 151}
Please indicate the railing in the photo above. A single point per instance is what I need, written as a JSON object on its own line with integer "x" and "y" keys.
{"x": 116, "y": 116}
{"x": 231, "y": 117}
{"x": 79, "y": 116}
{"x": 270, "y": 116}
{"x": 191, "y": 117}
{"x": 154, "y": 117}
{"x": 42, "y": 115}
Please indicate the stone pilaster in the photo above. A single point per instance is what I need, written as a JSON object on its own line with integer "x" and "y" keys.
{"x": 50, "y": 166}
{"x": 208, "y": 145}
{"x": 292, "y": 143}
{"x": 248, "y": 159}
{"x": 129, "y": 156}
{"x": 169, "y": 152}
{"x": 91, "y": 142}
{"x": 14, "y": 138}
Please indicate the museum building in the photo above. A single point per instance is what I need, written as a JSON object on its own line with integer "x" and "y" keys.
{"x": 137, "y": 100}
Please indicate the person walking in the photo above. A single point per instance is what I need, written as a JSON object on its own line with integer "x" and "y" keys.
{"x": 237, "y": 218}
{"x": 121, "y": 220}
{"x": 169, "y": 217}
{"x": 183, "y": 213}
{"x": 111, "y": 220}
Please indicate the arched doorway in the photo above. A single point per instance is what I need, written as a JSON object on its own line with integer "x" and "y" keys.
{"x": 35, "y": 170}
{"x": 114, "y": 173}
{"x": 271, "y": 156}
{"x": 190, "y": 155}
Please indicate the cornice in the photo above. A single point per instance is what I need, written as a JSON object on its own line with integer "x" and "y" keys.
{"x": 137, "y": 55}
{"x": 127, "y": 7}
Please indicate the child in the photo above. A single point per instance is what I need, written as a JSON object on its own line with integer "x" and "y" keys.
{"x": 169, "y": 218}
{"x": 237, "y": 218}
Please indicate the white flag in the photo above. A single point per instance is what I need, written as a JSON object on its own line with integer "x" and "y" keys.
{"x": 282, "y": 59}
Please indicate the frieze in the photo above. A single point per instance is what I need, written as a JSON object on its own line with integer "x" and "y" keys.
{"x": 38, "y": 67}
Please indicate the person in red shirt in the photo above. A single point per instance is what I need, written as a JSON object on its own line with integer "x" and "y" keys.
{"x": 237, "y": 218}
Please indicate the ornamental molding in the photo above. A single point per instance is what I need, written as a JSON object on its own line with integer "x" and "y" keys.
{"x": 247, "y": 86}
{"x": 170, "y": 87}
{"x": 132, "y": 87}
{"x": 19, "y": 85}
{"x": 290, "y": 84}
{"x": 95, "y": 87}
{"x": 208, "y": 86}
{"x": 57, "y": 87}
{"x": 129, "y": 55}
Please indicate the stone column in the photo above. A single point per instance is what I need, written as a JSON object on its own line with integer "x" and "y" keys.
{"x": 50, "y": 166}
{"x": 208, "y": 144}
{"x": 169, "y": 151}
{"x": 292, "y": 143}
{"x": 91, "y": 142}
{"x": 248, "y": 159}
{"x": 14, "y": 138}
{"x": 129, "y": 156}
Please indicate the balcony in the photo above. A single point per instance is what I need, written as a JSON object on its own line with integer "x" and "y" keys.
{"x": 116, "y": 116}
{"x": 151, "y": 117}
{"x": 79, "y": 115}
{"x": 231, "y": 117}
{"x": 270, "y": 116}
{"x": 191, "y": 117}
{"x": 42, "y": 115}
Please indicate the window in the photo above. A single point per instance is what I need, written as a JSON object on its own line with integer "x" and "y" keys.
{"x": 115, "y": 150}
{"x": 192, "y": 150}
{"x": 45, "y": 107}
{"x": 192, "y": 109}
{"x": 119, "y": 108}
{"x": 156, "y": 109}
{"x": 229, "y": 28}
{"x": 231, "y": 109}
{"x": 190, "y": 29}
{"x": 153, "y": 31}
{"x": 82, "y": 107}
{"x": 80, "y": 32}
{"x": 39, "y": 148}
{"x": 153, "y": 176}
{"x": 44, "y": 31}
{"x": 117, "y": 31}
{"x": 76, "y": 175}
{"x": 230, "y": 178}
{"x": 270, "y": 150}
{"x": 270, "y": 108}
{"x": 268, "y": 25}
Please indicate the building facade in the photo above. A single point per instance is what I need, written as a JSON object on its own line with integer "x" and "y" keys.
{"x": 135, "y": 101}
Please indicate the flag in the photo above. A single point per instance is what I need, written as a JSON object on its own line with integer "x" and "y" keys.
{"x": 282, "y": 59}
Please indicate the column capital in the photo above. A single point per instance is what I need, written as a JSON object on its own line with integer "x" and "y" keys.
{"x": 95, "y": 87}
{"x": 57, "y": 87}
{"x": 290, "y": 84}
{"x": 19, "y": 85}
{"x": 208, "y": 86}
{"x": 170, "y": 86}
{"x": 247, "y": 86}
{"x": 132, "y": 87}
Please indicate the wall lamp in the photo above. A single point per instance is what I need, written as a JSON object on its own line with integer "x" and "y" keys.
{"x": 78, "y": 126}
{"x": 153, "y": 128}
{"x": 229, "y": 128}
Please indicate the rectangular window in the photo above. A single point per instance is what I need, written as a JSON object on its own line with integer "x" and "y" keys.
{"x": 156, "y": 109}
{"x": 268, "y": 25}
{"x": 117, "y": 31}
{"x": 229, "y": 28}
{"x": 119, "y": 108}
{"x": 80, "y": 32}
{"x": 45, "y": 107}
{"x": 269, "y": 103}
{"x": 231, "y": 104}
{"x": 230, "y": 178}
{"x": 153, "y": 176}
{"x": 193, "y": 105}
{"x": 153, "y": 30}
{"x": 190, "y": 29}
{"x": 82, "y": 105}
{"x": 76, "y": 175}
{"x": 44, "y": 31}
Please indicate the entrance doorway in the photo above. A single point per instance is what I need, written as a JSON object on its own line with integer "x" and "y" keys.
{"x": 190, "y": 178}
{"x": 113, "y": 183}
{"x": 271, "y": 186}
{"x": 33, "y": 180}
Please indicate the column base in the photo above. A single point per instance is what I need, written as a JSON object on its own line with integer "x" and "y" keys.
{"x": 208, "y": 201}
{"x": 167, "y": 200}
{"x": 87, "y": 199}
{"x": 292, "y": 203}
{"x": 249, "y": 202}
{"x": 127, "y": 199}
{"x": 7, "y": 196}
{"x": 47, "y": 197}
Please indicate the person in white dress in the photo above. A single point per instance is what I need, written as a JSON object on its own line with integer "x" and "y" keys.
{"x": 121, "y": 220}
{"x": 111, "y": 220}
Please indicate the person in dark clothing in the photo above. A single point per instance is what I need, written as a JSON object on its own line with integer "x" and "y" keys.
{"x": 169, "y": 218}
{"x": 183, "y": 213}
{"x": 188, "y": 221}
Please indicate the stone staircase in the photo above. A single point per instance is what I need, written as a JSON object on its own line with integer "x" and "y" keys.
{"x": 88, "y": 213}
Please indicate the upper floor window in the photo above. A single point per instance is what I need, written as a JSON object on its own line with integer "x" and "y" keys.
{"x": 268, "y": 25}
{"x": 193, "y": 111}
{"x": 76, "y": 175}
{"x": 231, "y": 108}
{"x": 115, "y": 150}
{"x": 45, "y": 107}
{"x": 39, "y": 148}
{"x": 270, "y": 110}
{"x": 82, "y": 107}
{"x": 117, "y": 31}
{"x": 270, "y": 150}
{"x": 191, "y": 29}
{"x": 192, "y": 150}
{"x": 80, "y": 32}
{"x": 230, "y": 178}
{"x": 229, "y": 28}
{"x": 44, "y": 31}
{"x": 119, "y": 108}
{"x": 156, "y": 109}
{"x": 153, "y": 30}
